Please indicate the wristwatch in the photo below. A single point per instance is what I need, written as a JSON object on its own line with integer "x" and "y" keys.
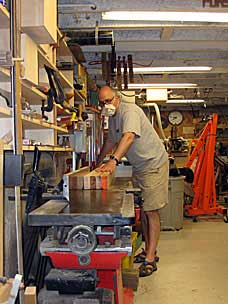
{"x": 116, "y": 160}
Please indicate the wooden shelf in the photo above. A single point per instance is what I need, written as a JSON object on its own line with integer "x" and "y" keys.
{"x": 32, "y": 123}
{"x": 64, "y": 81}
{"x": 41, "y": 148}
{"x": 32, "y": 94}
{"x": 4, "y": 74}
{"x": 65, "y": 111}
{"x": 63, "y": 50}
{"x": 4, "y": 17}
{"x": 5, "y": 112}
{"x": 43, "y": 60}
{"x": 78, "y": 94}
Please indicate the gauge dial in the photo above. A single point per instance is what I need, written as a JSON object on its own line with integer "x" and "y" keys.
{"x": 175, "y": 118}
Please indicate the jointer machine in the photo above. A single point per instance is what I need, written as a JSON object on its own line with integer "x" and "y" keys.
{"x": 90, "y": 232}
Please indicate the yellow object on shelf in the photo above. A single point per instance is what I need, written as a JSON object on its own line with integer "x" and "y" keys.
{"x": 127, "y": 261}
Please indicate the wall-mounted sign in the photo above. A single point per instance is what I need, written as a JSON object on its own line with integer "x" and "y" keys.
{"x": 215, "y": 3}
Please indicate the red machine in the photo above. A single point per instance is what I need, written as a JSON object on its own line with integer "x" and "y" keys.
{"x": 93, "y": 233}
{"x": 202, "y": 163}
{"x": 108, "y": 266}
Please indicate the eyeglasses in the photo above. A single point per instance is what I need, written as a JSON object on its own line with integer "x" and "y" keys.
{"x": 106, "y": 101}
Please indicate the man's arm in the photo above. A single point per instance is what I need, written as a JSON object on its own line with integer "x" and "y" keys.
{"x": 122, "y": 148}
{"x": 124, "y": 145}
{"x": 107, "y": 147}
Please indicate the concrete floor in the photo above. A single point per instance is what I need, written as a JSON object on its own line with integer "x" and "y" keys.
{"x": 193, "y": 266}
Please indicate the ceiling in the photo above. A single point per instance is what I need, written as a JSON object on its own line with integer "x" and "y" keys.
{"x": 158, "y": 44}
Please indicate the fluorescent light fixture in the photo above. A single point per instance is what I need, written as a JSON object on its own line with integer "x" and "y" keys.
{"x": 185, "y": 101}
{"x": 157, "y": 70}
{"x": 187, "y": 69}
{"x": 165, "y": 16}
{"x": 160, "y": 85}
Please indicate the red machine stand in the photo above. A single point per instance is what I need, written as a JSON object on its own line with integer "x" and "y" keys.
{"x": 202, "y": 162}
{"x": 108, "y": 266}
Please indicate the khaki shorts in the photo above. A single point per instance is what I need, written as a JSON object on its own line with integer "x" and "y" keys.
{"x": 154, "y": 186}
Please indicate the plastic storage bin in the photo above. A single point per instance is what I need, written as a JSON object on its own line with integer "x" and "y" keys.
{"x": 171, "y": 216}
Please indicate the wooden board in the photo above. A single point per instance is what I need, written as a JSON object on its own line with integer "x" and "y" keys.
{"x": 75, "y": 179}
{"x": 5, "y": 292}
{"x": 30, "y": 55}
{"x": 130, "y": 278}
{"x": 30, "y": 295}
{"x": 98, "y": 180}
{"x": 83, "y": 179}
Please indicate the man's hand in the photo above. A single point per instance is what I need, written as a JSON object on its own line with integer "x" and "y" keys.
{"x": 110, "y": 166}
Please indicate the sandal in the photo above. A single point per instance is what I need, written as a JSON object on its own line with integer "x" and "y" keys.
{"x": 140, "y": 257}
{"x": 147, "y": 268}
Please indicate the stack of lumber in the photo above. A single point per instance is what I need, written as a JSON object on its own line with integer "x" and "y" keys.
{"x": 84, "y": 179}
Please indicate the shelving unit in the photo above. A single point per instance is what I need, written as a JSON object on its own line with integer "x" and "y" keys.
{"x": 44, "y": 60}
{"x": 32, "y": 94}
{"x": 33, "y": 123}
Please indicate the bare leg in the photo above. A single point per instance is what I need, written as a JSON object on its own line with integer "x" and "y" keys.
{"x": 144, "y": 224}
{"x": 153, "y": 218}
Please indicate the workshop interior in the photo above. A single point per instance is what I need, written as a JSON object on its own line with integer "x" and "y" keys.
{"x": 69, "y": 233}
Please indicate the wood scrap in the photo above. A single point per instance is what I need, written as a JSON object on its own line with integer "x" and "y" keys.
{"x": 30, "y": 295}
{"x": 130, "y": 278}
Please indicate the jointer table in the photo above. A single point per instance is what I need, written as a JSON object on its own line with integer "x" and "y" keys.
{"x": 91, "y": 231}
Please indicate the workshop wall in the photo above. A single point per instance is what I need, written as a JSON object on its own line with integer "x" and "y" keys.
{"x": 186, "y": 129}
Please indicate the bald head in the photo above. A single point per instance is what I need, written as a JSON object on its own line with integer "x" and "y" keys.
{"x": 107, "y": 95}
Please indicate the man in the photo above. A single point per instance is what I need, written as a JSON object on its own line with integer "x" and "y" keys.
{"x": 131, "y": 134}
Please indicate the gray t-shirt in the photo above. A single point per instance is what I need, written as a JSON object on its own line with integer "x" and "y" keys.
{"x": 147, "y": 150}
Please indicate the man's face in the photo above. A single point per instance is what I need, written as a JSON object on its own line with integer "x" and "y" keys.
{"x": 108, "y": 99}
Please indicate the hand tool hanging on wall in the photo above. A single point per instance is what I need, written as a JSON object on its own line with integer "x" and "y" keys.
{"x": 56, "y": 93}
{"x": 125, "y": 73}
{"x": 119, "y": 74}
{"x": 130, "y": 67}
